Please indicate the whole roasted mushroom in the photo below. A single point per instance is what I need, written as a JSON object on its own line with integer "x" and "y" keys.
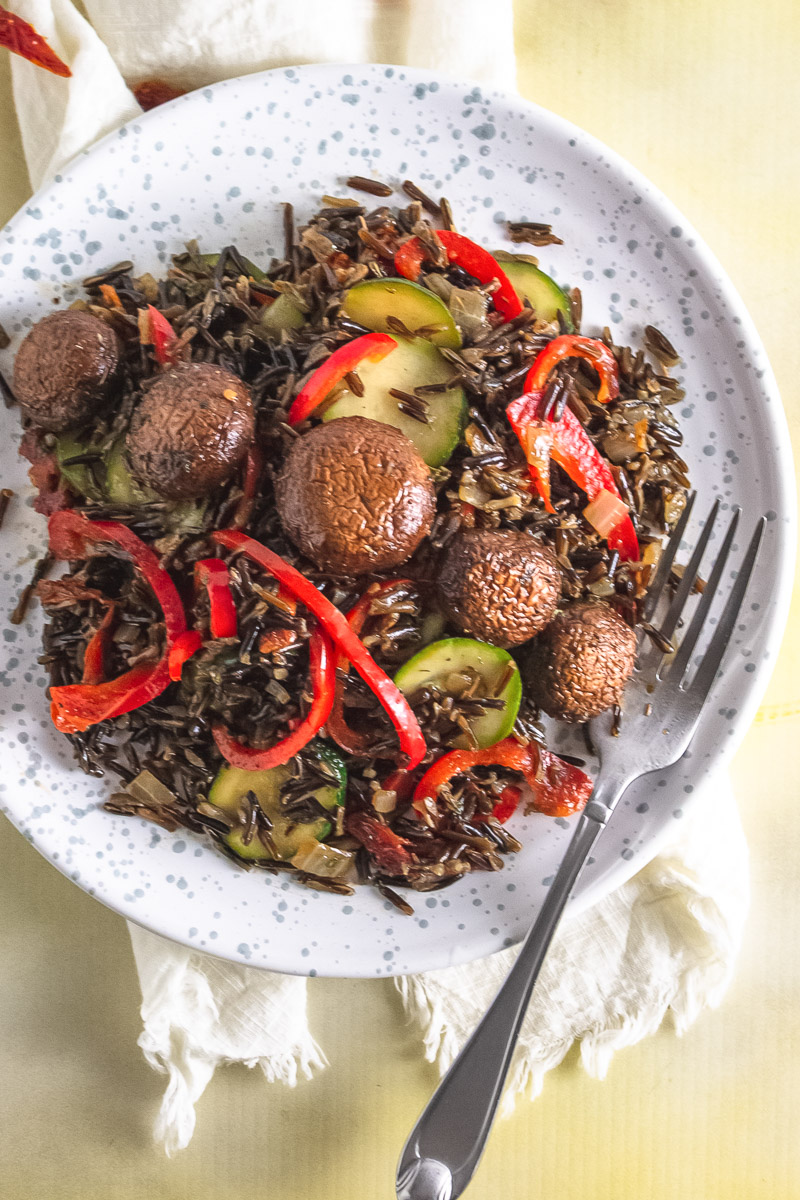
{"x": 65, "y": 369}
{"x": 499, "y": 585}
{"x": 579, "y": 665}
{"x": 191, "y": 430}
{"x": 355, "y": 496}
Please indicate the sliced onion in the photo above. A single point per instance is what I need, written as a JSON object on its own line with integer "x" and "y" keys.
{"x": 320, "y": 859}
{"x": 605, "y": 512}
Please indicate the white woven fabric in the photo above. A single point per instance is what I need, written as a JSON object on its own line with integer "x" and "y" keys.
{"x": 666, "y": 941}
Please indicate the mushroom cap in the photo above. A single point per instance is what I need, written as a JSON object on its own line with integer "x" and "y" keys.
{"x": 191, "y": 430}
{"x": 579, "y": 665}
{"x": 499, "y": 585}
{"x": 65, "y": 368}
{"x": 354, "y": 495}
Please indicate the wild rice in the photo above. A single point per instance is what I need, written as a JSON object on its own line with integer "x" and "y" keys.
{"x": 9, "y": 399}
{"x": 534, "y": 232}
{"x": 373, "y": 186}
{"x": 6, "y": 494}
{"x": 660, "y": 346}
{"x": 256, "y": 684}
{"x": 416, "y": 193}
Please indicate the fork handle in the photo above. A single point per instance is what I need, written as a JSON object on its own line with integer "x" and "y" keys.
{"x": 444, "y": 1147}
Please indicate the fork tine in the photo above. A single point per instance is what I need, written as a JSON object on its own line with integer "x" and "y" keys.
{"x": 667, "y": 559}
{"x": 669, "y": 624}
{"x": 680, "y": 663}
{"x": 707, "y": 671}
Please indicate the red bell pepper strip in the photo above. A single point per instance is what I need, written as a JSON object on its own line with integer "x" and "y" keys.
{"x": 372, "y": 347}
{"x": 322, "y": 669}
{"x": 571, "y": 345}
{"x": 571, "y": 446}
{"x": 335, "y": 624}
{"x": 468, "y": 255}
{"x": 559, "y": 788}
{"x": 76, "y": 706}
{"x": 94, "y": 657}
{"x": 507, "y": 803}
{"x": 351, "y": 740}
{"x": 213, "y": 575}
{"x": 389, "y": 850}
{"x": 155, "y": 330}
{"x": 21, "y": 38}
{"x": 182, "y": 650}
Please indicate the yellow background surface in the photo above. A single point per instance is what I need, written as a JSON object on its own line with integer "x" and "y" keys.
{"x": 704, "y": 97}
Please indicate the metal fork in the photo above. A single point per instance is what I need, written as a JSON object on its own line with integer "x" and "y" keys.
{"x": 663, "y": 702}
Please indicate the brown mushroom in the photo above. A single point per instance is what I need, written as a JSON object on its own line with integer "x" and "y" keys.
{"x": 499, "y": 585}
{"x": 65, "y": 369}
{"x": 191, "y": 430}
{"x": 355, "y": 496}
{"x": 579, "y": 665}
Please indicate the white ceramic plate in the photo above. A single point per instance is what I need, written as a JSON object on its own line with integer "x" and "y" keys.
{"x": 214, "y": 165}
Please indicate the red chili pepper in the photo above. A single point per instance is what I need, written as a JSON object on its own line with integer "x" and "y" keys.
{"x": 76, "y": 706}
{"x": 335, "y": 624}
{"x": 351, "y": 740}
{"x": 322, "y": 669}
{"x": 182, "y": 650}
{"x": 389, "y": 850}
{"x": 213, "y": 575}
{"x": 21, "y": 38}
{"x": 570, "y": 447}
{"x": 94, "y": 657}
{"x": 468, "y": 255}
{"x": 372, "y": 347}
{"x": 155, "y": 330}
{"x": 559, "y": 788}
{"x": 253, "y": 470}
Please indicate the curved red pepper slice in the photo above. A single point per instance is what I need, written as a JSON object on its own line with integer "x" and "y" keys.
{"x": 372, "y": 347}
{"x": 472, "y": 258}
{"x": 181, "y": 651}
{"x": 94, "y": 657}
{"x": 76, "y": 706}
{"x": 559, "y": 788}
{"x": 351, "y": 740}
{"x": 335, "y": 624}
{"x": 571, "y": 345}
{"x": 213, "y": 575}
{"x": 507, "y": 803}
{"x": 322, "y": 669}
{"x": 567, "y": 442}
{"x": 21, "y": 38}
{"x": 155, "y": 330}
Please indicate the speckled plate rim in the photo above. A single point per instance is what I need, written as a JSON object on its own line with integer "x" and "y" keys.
{"x": 589, "y": 891}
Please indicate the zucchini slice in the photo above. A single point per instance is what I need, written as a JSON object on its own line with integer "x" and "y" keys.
{"x": 370, "y": 304}
{"x": 288, "y": 836}
{"x": 452, "y": 664}
{"x": 412, "y": 364}
{"x": 543, "y": 294}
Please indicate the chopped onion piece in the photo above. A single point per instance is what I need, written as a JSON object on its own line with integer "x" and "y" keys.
{"x": 148, "y": 790}
{"x": 384, "y": 800}
{"x": 319, "y": 859}
{"x": 605, "y": 512}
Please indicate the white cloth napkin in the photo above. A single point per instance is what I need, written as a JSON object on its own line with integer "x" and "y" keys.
{"x": 666, "y": 941}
